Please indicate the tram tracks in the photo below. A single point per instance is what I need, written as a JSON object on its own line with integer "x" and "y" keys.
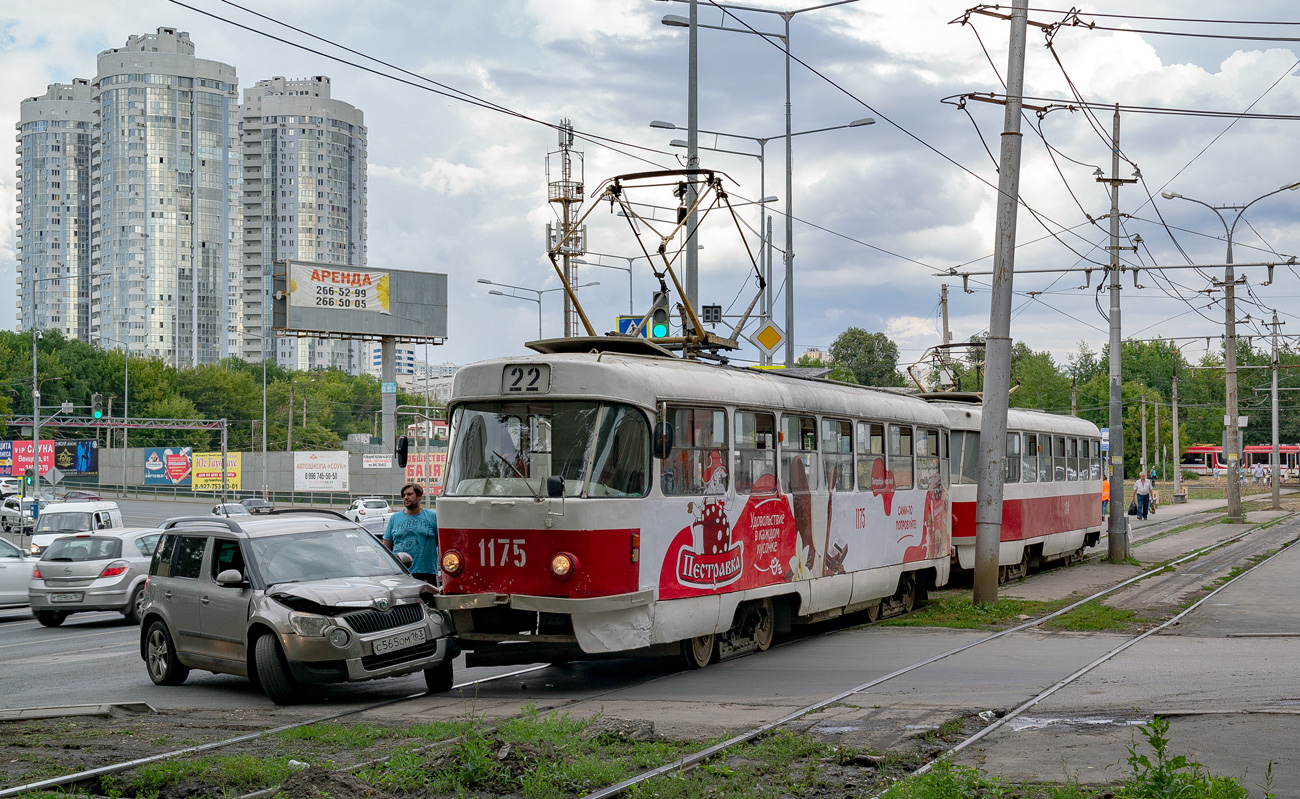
{"x": 91, "y": 776}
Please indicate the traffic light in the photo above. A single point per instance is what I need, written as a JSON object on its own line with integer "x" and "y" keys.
{"x": 97, "y": 405}
{"x": 29, "y": 477}
{"x": 659, "y": 316}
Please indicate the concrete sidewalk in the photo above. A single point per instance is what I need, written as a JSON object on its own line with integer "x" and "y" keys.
{"x": 1225, "y": 676}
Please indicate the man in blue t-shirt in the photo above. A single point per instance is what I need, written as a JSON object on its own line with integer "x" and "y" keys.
{"x": 415, "y": 532}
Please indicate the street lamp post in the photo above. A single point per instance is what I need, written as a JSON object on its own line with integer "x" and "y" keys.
{"x": 627, "y": 269}
{"x": 1230, "y": 345}
{"x": 537, "y": 299}
{"x": 673, "y": 20}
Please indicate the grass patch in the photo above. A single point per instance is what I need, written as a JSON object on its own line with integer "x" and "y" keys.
{"x": 1093, "y": 617}
{"x": 213, "y": 776}
{"x": 354, "y": 736}
{"x": 532, "y": 755}
{"x": 962, "y": 613}
{"x": 780, "y": 765}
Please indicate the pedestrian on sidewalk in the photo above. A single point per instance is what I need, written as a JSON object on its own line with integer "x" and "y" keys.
{"x": 1105, "y": 497}
{"x": 1142, "y": 494}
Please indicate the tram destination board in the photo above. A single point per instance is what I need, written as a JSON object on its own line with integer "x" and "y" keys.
{"x": 333, "y": 300}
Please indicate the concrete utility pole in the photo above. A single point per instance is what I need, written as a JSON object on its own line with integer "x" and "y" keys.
{"x": 288, "y": 443}
{"x": 943, "y": 303}
{"x": 1232, "y": 446}
{"x": 1145, "y": 468}
{"x": 1276, "y": 459}
{"x": 1157, "y": 451}
{"x": 1117, "y": 528}
{"x": 997, "y": 376}
{"x": 1178, "y": 453}
{"x": 1074, "y": 396}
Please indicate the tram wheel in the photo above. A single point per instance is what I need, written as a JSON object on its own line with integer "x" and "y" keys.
{"x": 699, "y": 652}
{"x": 873, "y": 612}
{"x": 907, "y": 591}
{"x": 766, "y": 629}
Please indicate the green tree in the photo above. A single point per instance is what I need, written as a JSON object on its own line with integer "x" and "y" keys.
{"x": 1038, "y": 383}
{"x": 871, "y": 358}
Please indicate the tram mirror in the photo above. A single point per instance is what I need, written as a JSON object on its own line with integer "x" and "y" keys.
{"x": 663, "y": 440}
{"x": 555, "y": 486}
{"x": 401, "y": 450}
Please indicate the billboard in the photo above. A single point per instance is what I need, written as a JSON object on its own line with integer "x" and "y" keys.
{"x": 320, "y": 471}
{"x": 425, "y": 468}
{"x": 7, "y": 459}
{"x": 328, "y": 300}
{"x": 77, "y": 457}
{"x": 207, "y": 471}
{"x": 376, "y": 461}
{"x": 168, "y": 466}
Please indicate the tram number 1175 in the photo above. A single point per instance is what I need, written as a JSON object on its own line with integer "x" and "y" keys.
{"x": 501, "y": 552}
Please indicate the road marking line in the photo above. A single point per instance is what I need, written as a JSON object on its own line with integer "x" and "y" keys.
{"x": 65, "y": 638}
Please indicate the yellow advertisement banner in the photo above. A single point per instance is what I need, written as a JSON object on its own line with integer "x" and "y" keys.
{"x": 313, "y": 286}
{"x": 207, "y": 471}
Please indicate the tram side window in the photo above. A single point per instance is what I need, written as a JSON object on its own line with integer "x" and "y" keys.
{"x": 1011, "y": 473}
{"x": 900, "y": 455}
{"x": 871, "y": 448}
{"x": 799, "y": 469}
{"x": 964, "y": 453}
{"x": 1029, "y": 459}
{"x": 1095, "y": 471}
{"x": 698, "y": 463}
{"x": 837, "y": 454}
{"x": 1072, "y": 459}
{"x": 1044, "y": 459}
{"x": 927, "y": 459}
{"x": 755, "y": 436}
{"x": 1058, "y": 461}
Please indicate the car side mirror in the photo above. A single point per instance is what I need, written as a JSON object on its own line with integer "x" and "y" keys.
{"x": 661, "y": 443}
{"x": 230, "y": 577}
{"x": 405, "y": 559}
{"x": 555, "y": 486}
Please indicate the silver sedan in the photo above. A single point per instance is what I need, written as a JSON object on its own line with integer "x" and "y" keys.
{"x": 103, "y": 570}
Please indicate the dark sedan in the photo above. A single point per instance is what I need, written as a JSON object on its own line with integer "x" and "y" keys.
{"x": 257, "y": 505}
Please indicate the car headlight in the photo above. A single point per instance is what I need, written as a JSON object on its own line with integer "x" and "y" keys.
{"x": 339, "y": 637}
{"x": 308, "y": 625}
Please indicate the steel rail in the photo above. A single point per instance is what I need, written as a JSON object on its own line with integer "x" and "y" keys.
{"x": 693, "y": 759}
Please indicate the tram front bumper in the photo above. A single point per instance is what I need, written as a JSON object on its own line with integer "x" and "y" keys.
{"x": 549, "y": 628}
{"x": 544, "y": 604}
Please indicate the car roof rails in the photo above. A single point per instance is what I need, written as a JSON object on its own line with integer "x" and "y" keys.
{"x": 220, "y": 521}
{"x": 324, "y": 511}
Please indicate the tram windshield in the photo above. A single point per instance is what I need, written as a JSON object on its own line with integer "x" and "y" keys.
{"x": 510, "y": 448}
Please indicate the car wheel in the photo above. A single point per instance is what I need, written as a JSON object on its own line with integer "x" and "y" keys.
{"x": 132, "y": 609}
{"x": 273, "y": 672}
{"x": 439, "y": 678}
{"x": 160, "y": 657}
{"x": 49, "y": 618}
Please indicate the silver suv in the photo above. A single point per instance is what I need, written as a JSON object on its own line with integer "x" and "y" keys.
{"x": 288, "y": 599}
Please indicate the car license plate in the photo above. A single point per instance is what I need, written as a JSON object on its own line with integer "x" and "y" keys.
{"x": 395, "y": 642}
{"x": 73, "y": 597}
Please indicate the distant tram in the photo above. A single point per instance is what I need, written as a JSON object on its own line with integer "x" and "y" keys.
{"x": 603, "y": 504}
{"x": 1208, "y": 459}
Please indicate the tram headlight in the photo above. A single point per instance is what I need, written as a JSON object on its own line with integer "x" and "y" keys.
{"x": 563, "y": 565}
{"x": 452, "y": 562}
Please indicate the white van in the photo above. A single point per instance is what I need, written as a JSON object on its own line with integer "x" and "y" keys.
{"x": 68, "y": 518}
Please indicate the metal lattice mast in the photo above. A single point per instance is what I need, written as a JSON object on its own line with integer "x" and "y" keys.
{"x": 566, "y": 192}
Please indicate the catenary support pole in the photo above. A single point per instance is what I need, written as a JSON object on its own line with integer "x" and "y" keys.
{"x": 997, "y": 377}
{"x": 692, "y": 266}
{"x": 1275, "y": 476}
{"x": 1177, "y": 453}
{"x": 1117, "y": 529}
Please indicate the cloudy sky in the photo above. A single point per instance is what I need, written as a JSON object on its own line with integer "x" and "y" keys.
{"x": 880, "y": 210}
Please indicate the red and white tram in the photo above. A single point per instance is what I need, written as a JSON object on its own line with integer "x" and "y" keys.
{"x": 1208, "y": 459}
{"x": 1051, "y": 503}
{"x": 603, "y": 504}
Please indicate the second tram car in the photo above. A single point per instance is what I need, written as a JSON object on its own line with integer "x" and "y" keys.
{"x": 1051, "y": 504}
{"x": 603, "y": 504}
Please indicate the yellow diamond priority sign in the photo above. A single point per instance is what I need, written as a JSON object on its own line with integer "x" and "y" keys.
{"x": 768, "y": 337}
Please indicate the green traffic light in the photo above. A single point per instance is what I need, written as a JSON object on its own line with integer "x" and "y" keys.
{"x": 659, "y": 330}
{"x": 99, "y": 414}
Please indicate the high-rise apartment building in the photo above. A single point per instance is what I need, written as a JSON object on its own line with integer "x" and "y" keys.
{"x": 53, "y": 237}
{"x": 165, "y": 201}
{"x": 304, "y": 189}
